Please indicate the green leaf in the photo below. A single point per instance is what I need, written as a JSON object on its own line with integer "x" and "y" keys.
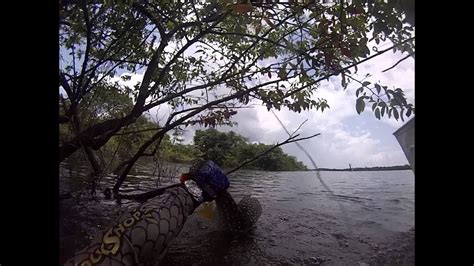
{"x": 359, "y": 90}
{"x": 374, "y": 106}
{"x": 400, "y": 99}
{"x": 378, "y": 88}
{"x": 343, "y": 81}
{"x": 360, "y": 105}
{"x": 408, "y": 112}
{"x": 377, "y": 113}
{"x": 383, "y": 110}
{"x": 395, "y": 113}
{"x": 365, "y": 83}
{"x": 282, "y": 73}
{"x": 401, "y": 115}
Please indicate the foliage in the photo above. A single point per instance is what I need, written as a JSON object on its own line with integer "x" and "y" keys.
{"x": 230, "y": 150}
{"x": 204, "y": 59}
{"x": 177, "y": 152}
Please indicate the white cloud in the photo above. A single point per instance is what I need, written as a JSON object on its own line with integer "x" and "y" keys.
{"x": 346, "y": 137}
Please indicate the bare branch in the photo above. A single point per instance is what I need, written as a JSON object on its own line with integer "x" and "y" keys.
{"x": 120, "y": 61}
{"x": 143, "y": 10}
{"x": 399, "y": 61}
{"x": 87, "y": 51}
{"x": 182, "y": 50}
{"x": 142, "y": 197}
{"x": 137, "y": 131}
{"x": 296, "y": 130}
{"x": 66, "y": 86}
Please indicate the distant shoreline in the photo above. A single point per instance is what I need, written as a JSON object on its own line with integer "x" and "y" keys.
{"x": 375, "y": 168}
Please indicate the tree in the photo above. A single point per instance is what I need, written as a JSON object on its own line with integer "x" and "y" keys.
{"x": 205, "y": 59}
{"x": 230, "y": 150}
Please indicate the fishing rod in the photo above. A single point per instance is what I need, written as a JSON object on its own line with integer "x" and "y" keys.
{"x": 318, "y": 174}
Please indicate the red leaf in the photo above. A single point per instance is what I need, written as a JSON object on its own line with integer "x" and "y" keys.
{"x": 242, "y": 8}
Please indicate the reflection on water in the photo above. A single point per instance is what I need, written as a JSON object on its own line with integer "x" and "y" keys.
{"x": 300, "y": 219}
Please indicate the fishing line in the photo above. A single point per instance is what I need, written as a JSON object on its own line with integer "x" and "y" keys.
{"x": 318, "y": 174}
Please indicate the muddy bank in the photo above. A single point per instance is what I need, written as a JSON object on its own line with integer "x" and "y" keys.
{"x": 366, "y": 221}
{"x": 201, "y": 242}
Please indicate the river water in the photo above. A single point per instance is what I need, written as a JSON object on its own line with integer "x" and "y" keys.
{"x": 367, "y": 218}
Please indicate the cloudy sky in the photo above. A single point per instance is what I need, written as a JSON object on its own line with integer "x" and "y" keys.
{"x": 346, "y": 137}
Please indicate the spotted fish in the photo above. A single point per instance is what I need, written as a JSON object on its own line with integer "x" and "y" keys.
{"x": 237, "y": 217}
{"x": 230, "y": 215}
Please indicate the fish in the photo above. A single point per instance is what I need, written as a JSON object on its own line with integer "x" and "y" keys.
{"x": 207, "y": 210}
{"x": 237, "y": 217}
{"x": 229, "y": 215}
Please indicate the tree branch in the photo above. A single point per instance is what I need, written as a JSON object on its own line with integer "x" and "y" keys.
{"x": 182, "y": 50}
{"x": 168, "y": 127}
{"x": 336, "y": 72}
{"x": 66, "y": 86}
{"x": 138, "y": 131}
{"x": 142, "y": 197}
{"x": 81, "y": 89}
{"x": 399, "y": 61}
{"x": 115, "y": 66}
{"x": 143, "y": 10}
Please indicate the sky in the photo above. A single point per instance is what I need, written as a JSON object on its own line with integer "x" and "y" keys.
{"x": 346, "y": 137}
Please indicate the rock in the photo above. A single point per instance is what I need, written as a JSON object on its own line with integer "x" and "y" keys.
{"x": 344, "y": 243}
{"x": 339, "y": 236}
{"x": 317, "y": 260}
{"x": 374, "y": 246}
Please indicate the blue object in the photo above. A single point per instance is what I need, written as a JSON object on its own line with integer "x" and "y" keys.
{"x": 210, "y": 175}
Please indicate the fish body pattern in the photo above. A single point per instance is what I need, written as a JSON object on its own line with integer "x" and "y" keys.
{"x": 142, "y": 235}
{"x": 237, "y": 217}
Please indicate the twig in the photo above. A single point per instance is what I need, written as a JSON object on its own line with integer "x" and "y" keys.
{"x": 138, "y": 131}
{"x": 142, "y": 197}
{"x": 296, "y": 130}
{"x": 399, "y": 61}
